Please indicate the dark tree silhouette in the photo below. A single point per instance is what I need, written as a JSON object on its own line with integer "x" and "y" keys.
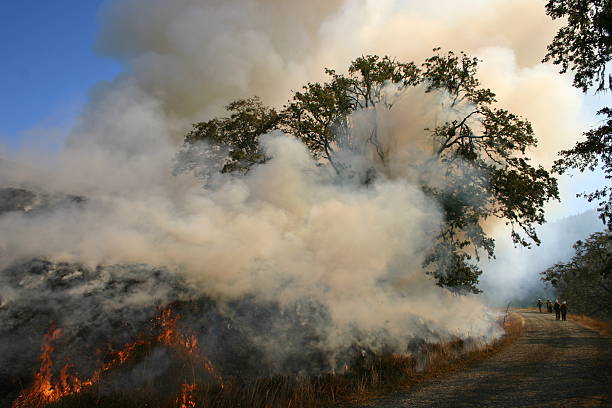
{"x": 586, "y": 280}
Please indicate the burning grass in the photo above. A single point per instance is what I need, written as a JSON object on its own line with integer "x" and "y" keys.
{"x": 194, "y": 382}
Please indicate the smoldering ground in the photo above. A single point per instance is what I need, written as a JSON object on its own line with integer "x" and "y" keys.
{"x": 295, "y": 269}
{"x": 287, "y": 255}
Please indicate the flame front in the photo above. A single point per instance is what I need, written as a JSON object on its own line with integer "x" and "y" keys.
{"x": 186, "y": 399}
{"x": 171, "y": 337}
{"x": 45, "y": 389}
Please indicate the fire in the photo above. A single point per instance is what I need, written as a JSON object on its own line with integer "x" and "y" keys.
{"x": 186, "y": 399}
{"x": 45, "y": 389}
{"x": 170, "y": 336}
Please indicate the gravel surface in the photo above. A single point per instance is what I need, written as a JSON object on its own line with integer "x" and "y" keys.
{"x": 553, "y": 364}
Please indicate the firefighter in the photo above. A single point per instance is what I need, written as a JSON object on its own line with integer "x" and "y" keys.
{"x": 557, "y": 308}
{"x": 563, "y": 309}
{"x": 540, "y": 305}
{"x": 548, "y": 306}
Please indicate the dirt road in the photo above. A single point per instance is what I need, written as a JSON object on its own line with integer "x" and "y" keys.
{"x": 553, "y": 364}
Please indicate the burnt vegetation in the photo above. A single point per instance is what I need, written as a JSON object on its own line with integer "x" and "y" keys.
{"x": 109, "y": 345}
{"x": 136, "y": 335}
{"x": 367, "y": 377}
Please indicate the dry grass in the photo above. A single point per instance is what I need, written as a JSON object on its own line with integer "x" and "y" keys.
{"x": 601, "y": 327}
{"x": 443, "y": 360}
{"x": 368, "y": 378}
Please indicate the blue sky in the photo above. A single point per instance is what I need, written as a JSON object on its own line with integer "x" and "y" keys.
{"x": 48, "y": 64}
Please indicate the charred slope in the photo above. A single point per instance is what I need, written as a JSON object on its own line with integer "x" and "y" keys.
{"x": 22, "y": 200}
{"x": 100, "y": 310}
{"x": 96, "y": 309}
{"x": 124, "y": 326}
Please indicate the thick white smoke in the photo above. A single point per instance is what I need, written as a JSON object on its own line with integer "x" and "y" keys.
{"x": 287, "y": 230}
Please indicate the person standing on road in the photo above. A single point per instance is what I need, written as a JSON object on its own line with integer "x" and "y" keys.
{"x": 563, "y": 309}
{"x": 540, "y": 305}
{"x": 548, "y": 306}
{"x": 557, "y": 308}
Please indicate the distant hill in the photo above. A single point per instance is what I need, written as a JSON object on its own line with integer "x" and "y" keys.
{"x": 28, "y": 201}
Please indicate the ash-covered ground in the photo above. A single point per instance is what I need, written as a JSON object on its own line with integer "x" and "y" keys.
{"x": 101, "y": 308}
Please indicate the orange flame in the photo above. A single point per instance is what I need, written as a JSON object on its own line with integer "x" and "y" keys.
{"x": 45, "y": 390}
{"x": 170, "y": 336}
{"x": 186, "y": 399}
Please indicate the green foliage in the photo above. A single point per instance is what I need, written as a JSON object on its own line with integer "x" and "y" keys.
{"x": 488, "y": 174}
{"x": 595, "y": 151}
{"x": 584, "y": 44}
{"x": 368, "y": 75}
{"x": 585, "y": 282}
{"x": 480, "y": 151}
{"x": 317, "y": 114}
{"x": 320, "y": 114}
{"x": 232, "y": 143}
{"x": 456, "y": 75}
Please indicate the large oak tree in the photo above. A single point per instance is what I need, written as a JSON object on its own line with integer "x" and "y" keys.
{"x": 481, "y": 152}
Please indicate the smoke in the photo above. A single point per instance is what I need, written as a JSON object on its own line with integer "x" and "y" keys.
{"x": 287, "y": 231}
{"x": 185, "y": 61}
{"x": 517, "y": 270}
